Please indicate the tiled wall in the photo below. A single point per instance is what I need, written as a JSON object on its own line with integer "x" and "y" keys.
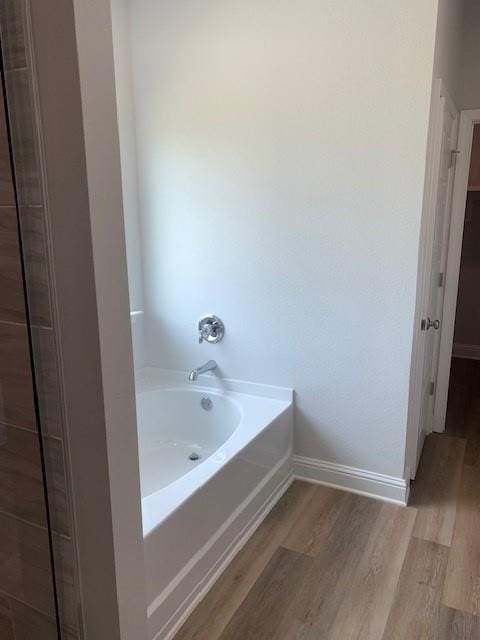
{"x": 26, "y": 585}
{"x": 26, "y": 581}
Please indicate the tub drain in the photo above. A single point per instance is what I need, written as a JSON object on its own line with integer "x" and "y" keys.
{"x": 206, "y": 403}
{"x": 194, "y": 456}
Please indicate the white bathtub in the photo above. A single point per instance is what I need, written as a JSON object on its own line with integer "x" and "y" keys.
{"x": 198, "y": 513}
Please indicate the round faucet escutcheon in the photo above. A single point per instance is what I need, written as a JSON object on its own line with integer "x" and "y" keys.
{"x": 211, "y": 329}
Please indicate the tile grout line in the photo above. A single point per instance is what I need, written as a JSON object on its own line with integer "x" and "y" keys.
{"x": 35, "y": 525}
{"x": 9, "y": 597}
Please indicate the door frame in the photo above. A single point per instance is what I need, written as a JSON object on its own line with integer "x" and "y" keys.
{"x": 468, "y": 119}
{"x": 80, "y": 173}
{"x": 414, "y": 439}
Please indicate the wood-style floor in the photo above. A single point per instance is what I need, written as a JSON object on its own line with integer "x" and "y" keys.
{"x": 329, "y": 565}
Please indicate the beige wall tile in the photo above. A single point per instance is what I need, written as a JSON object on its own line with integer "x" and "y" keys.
{"x": 6, "y": 622}
{"x": 21, "y": 481}
{"x": 7, "y": 196}
{"x": 12, "y": 301}
{"x": 29, "y": 624}
{"x": 64, "y": 557}
{"x": 12, "y": 298}
{"x": 57, "y": 485}
{"x": 16, "y": 397}
{"x": 47, "y": 381}
{"x": 36, "y": 270}
{"x": 65, "y": 572}
{"x": 24, "y": 137}
{"x": 26, "y": 570}
{"x": 25, "y": 566}
{"x": 12, "y": 17}
{"x": 26, "y": 497}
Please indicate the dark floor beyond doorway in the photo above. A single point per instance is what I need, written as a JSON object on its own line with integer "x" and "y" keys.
{"x": 463, "y": 411}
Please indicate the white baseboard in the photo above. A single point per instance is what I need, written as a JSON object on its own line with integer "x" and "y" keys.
{"x": 469, "y": 351}
{"x": 366, "y": 483}
{"x": 224, "y": 558}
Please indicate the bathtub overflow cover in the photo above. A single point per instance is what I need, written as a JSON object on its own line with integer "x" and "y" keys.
{"x": 206, "y": 403}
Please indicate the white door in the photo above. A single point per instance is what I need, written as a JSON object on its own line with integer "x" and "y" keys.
{"x": 431, "y": 321}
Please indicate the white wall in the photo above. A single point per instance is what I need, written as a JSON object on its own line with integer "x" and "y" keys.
{"x": 126, "y": 128}
{"x": 448, "y": 44}
{"x": 281, "y": 150}
{"x": 470, "y": 57}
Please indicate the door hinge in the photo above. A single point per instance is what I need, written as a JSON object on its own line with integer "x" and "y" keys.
{"x": 453, "y": 156}
{"x": 432, "y": 388}
{"x": 441, "y": 277}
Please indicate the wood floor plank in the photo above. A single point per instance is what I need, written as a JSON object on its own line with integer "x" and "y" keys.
{"x": 462, "y": 585}
{"x": 266, "y": 610}
{"x": 319, "y": 597}
{"x": 434, "y": 491}
{"x": 316, "y": 585}
{"x": 417, "y": 604}
{"x": 297, "y": 630}
{"x": 457, "y": 625}
{"x": 315, "y": 522}
{"x": 366, "y": 605}
{"x": 211, "y": 616}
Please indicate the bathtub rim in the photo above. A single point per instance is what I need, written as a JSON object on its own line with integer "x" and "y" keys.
{"x": 162, "y": 382}
{"x": 148, "y": 378}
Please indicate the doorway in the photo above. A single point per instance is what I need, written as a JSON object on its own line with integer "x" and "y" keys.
{"x": 464, "y": 390}
{"x": 460, "y": 323}
{"x": 451, "y": 197}
{"x": 466, "y": 340}
{"x": 445, "y": 491}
